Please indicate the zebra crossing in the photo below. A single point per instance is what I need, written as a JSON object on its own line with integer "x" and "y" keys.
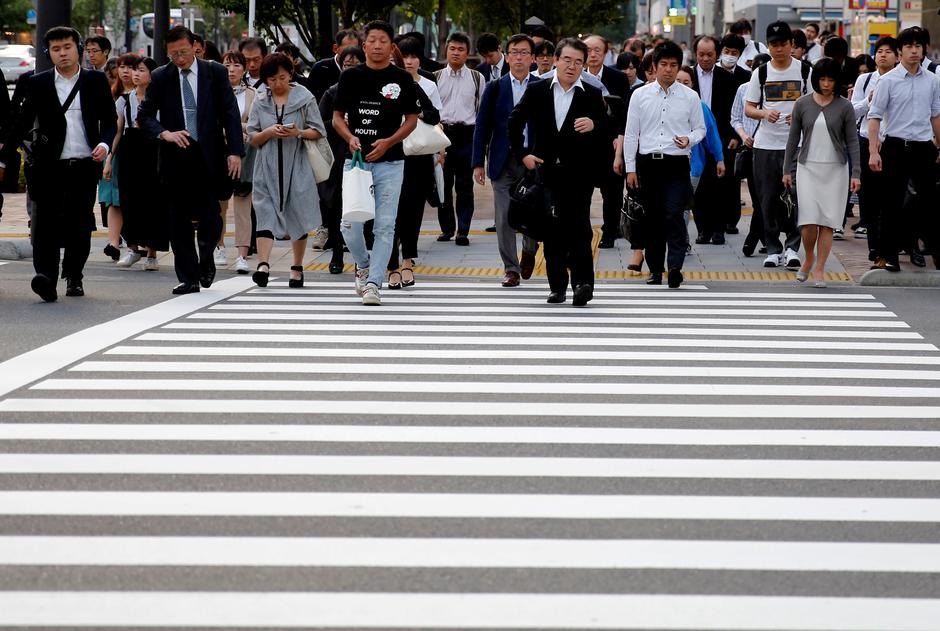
{"x": 469, "y": 457}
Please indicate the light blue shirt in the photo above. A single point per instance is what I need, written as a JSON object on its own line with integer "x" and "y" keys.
{"x": 518, "y": 89}
{"x": 738, "y": 119}
{"x": 905, "y": 103}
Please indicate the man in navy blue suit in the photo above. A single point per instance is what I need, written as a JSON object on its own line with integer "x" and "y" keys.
{"x": 491, "y": 141}
{"x": 494, "y": 64}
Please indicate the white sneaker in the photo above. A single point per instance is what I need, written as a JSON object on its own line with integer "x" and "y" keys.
{"x": 772, "y": 260}
{"x": 320, "y": 238}
{"x": 791, "y": 258}
{"x": 838, "y": 234}
{"x": 219, "y": 257}
{"x": 130, "y": 257}
{"x": 241, "y": 265}
{"x": 362, "y": 275}
{"x": 151, "y": 265}
{"x": 371, "y": 295}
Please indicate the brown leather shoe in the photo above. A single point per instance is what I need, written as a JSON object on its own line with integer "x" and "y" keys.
{"x": 527, "y": 263}
{"x": 879, "y": 263}
{"x": 511, "y": 279}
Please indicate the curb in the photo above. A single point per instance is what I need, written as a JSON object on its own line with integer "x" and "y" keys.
{"x": 15, "y": 249}
{"x": 884, "y": 278}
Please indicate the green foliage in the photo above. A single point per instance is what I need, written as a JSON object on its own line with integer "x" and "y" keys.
{"x": 13, "y": 15}
{"x": 566, "y": 18}
{"x": 85, "y": 14}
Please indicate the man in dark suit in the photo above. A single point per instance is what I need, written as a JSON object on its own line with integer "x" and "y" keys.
{"x": 73, "y": 114}
{"x": 618, "y": 100}
{"x": 494, "y": 65}
{"x": 717, "y": 200}
{"x": 491, "y": 143}
{"x": 567, "y": 122}
{"x": 4, "y": 126}
{"x": 197, "y": 119}
{"x": 325, "y": 73}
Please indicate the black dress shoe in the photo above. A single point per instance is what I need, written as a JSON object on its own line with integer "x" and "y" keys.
{"x": 113, "y": 252}
{"x": 675, "y": 278}
{"x": 606, "y": 243}
{"x": 892, "y": 266}
{"x": 732, "y": 230}
{"x": 718, "y": 239}
{"x": 582, "y": 295}
{"x": 462, "y": 240}
{"x": 747, "y": 249}
{"x": 44, "y": 287}
{"x": 336, "y": 266}
{"x": 655, "y": 279}
{"x": 556, "y": 298}
{"x": 186, "y": 288}
{"x": 762, "y": 249}
{"x": 918, "y": 260}
{"x": 445, "y": 236}
{"x": 702, "y": 239}
{"x": 74, "y": 288}
{"x": 207, "y": 277}
{"x": 491, "y": 229}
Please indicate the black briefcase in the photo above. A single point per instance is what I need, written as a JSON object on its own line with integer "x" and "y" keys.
{"x": 632, "y": 215}
{"x": 531, "y": 210}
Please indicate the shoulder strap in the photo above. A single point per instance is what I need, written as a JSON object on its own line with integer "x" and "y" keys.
{"x": 867, "y": 81}
{"x": 72, "y": 94}
{"x": 932, "y": 66}
{"x": 437, "y": 74}
{"x": 762, "y": 79}
{"x": 805, "y": 69}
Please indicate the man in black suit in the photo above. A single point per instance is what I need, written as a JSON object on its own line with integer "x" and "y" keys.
{"x": 73, "y": 114}
{"x": 567, "y": 122}
{"x": 325, "y": 73}
{"x": 190, "y": 106}
{"x": 494, "y": 65}
{"x": 717, "y": 199}
{"x": 618, "y": 101}
{"x": 4, "y": 125}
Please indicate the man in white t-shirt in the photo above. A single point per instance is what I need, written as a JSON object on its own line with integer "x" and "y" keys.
{"x": 773, "y": 90}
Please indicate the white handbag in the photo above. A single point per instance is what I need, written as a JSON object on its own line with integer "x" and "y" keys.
{"x": 358, "y": 192}
{"x": 425, "y": 140}
{"x": 320, "y": 156}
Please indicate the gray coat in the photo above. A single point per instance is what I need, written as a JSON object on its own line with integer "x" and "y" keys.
{"x": 840, "y": 121}
{"x": 285, "y": 197}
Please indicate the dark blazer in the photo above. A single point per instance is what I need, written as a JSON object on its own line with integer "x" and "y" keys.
{"x": 324, "y": 74}
{"x": 42, "y": 110}
{"x": 218, "y": 121}
{"x": 487, "y": 70}
{"x": 4, "y": 107}
{"x": 724, "y": 87}
{"x": 740, "y": 75}
{"x": 618, "y": 85}
{"x": 491, "y": 134}
{"x": 583, "y": 156}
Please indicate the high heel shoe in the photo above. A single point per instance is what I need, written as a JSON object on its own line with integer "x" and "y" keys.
{"x": 637, "y": 267}
{"x": 801, "y": 277}
{"x": 405, "y": 282}
{"x": 261, "y": 278}
{"x": 295, "y": 283}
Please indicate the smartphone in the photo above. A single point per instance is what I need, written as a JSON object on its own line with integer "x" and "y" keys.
{"x": 288, "y": 125}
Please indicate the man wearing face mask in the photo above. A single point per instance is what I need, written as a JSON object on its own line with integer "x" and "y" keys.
{"x": 731, "y": 48}
{"x": 751, "y": 47}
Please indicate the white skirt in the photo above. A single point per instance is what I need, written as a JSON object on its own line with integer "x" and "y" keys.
{"x": 822, "y": 192}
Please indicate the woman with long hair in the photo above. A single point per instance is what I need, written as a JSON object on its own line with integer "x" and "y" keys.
{"x": 109, "y": 186}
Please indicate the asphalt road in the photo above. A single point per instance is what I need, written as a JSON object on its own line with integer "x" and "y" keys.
{"x": 728, "y": 456}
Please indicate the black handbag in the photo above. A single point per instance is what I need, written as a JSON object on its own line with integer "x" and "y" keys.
{"x": 531, "y": 210}
{"x": 743, "y": 164}
{"x": 632, "y": 216}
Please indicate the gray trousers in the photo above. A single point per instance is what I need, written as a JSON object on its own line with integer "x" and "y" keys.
{"x": 505, "y": 234}
{"x": 768, "y": 180}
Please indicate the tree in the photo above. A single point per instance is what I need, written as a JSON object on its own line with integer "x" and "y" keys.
{"x": 13, "y": 15}
{"x": 566, "y": 18}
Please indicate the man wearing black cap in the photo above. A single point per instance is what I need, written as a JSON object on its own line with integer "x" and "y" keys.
{"x": 773, "y": 90}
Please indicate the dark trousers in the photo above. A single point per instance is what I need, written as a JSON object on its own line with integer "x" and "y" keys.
{"x": 416, "y": 184}
{"x": 768, "y": 180}
{"x": 708, "y": 210}
{"x": 568, "y": 243}
{"x": 755, "y": 232}
{"x": 458, "y": 176}
{"x": 65, "y": 217}
{"x": 730, "y": 192}
{"x": 612, "y": 193}
{"x": 869, "y": 197}
{"x": 665, "y": 190}
{"x": 913, "y": 162}
{"x": 193, "y": 208}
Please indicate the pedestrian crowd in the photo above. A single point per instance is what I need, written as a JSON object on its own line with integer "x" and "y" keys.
{"x": 350, "y": 154}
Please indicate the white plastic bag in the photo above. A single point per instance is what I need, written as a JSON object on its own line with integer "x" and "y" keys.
{"x": 425, "y": 140}
{"x": 358, "y": 192}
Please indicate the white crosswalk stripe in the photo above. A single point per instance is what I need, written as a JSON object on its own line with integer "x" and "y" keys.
{"x": 467, "y": 457}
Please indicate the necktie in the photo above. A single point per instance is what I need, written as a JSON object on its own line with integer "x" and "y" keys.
{"x": 189, "y": 106}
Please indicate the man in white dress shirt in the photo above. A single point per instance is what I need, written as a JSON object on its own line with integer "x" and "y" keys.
{"x": 664, "y": 122}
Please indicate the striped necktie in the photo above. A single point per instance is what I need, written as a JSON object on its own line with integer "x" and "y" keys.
{"x": 189, "y": 105}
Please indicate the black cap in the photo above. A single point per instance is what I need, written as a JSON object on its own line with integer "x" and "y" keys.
{"x": 778, "y": 32}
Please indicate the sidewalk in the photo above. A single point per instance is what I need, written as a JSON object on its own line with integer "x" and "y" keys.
{"x": 480, "y": 258}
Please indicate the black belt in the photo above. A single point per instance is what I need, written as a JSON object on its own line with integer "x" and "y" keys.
{"x": 907, "y": 143}
{"x": 457, "y": 126}
{"x": 659, "y": 155}
{"x": 71, "y": 162}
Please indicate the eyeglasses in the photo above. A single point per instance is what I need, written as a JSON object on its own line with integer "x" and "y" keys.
{"x": 181, "y": 53}
{"x": 568, "y": 61}
{"x": 93, "y": 51}
{"x": 518, "y": 53}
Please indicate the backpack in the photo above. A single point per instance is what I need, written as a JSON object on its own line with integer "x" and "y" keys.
{"x": 932, "y": 67}
{"x": 477, "y": 79}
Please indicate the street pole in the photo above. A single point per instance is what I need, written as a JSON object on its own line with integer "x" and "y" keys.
{"x": 50, "y": 13}
{"x": 161, "y": 24}
{"x": 251, "y": 18}
{"x": 128, "y": 36}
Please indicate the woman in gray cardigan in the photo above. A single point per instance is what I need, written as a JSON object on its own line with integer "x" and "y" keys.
{"x": 829, "y": 151}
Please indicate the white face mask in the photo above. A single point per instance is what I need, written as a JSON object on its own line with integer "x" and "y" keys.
{"x": 747, "y": 40}
{"x": 729, "y": 61}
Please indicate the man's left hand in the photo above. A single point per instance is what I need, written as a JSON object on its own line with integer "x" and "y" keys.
{"x": 99, "y": 154}
{"x": 733, "y": 144}
{"x": 234, "y": 167}
{"x": 583, "y": 125}
{"x": 379, "y": 147}
{"x": 681, "y": 141}
{"x": 720, "y": 168}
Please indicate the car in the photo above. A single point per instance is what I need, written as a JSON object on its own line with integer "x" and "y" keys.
{"x": 15, "y": 60}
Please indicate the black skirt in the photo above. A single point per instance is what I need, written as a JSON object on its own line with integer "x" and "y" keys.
{"x": 146, "y": 223}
